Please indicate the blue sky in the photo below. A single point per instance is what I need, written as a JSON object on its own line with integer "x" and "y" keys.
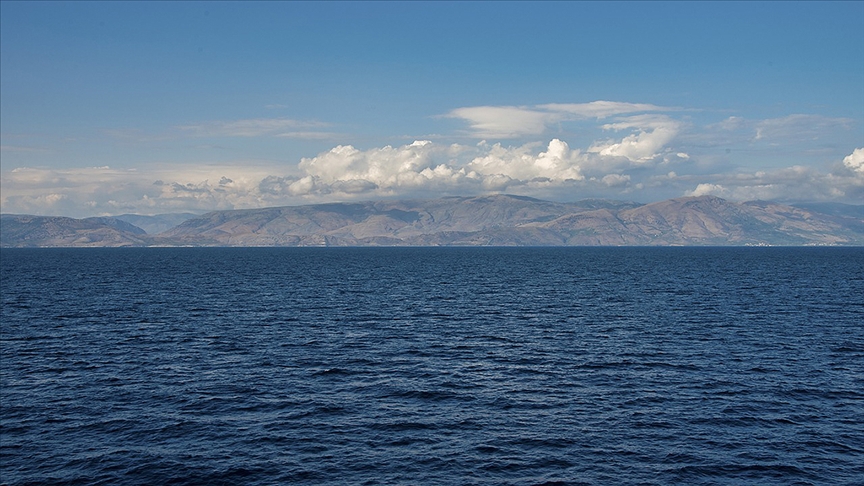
{"x": 120, "y": 107}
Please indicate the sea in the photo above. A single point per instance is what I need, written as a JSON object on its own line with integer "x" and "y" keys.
{"x": 450, "y": 366}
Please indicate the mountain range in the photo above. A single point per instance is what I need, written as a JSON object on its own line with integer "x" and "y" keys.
{"x": 498, "y": 220}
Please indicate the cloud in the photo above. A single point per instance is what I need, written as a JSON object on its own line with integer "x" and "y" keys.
{"x": 793, "y": 183}
{"x": 39, "y": 203}
{"x": 707, "y": 189}
{"x": 650, "y": 134}
{"x": 418, "y": 169}
{"x": 22, "y": 149}
{"x": 601, "y": 109}
{"x": 731, "y": 124}
{"x": 254, "y": 127}
{"x": 384, "y": 167}
{"x": 246, "y": 128}
{"x": 797, "y": 127}
{"x": 105, "y": 190}
{"x": 30, "y": 177}
{"x": 644, "y": 155}
{"x": 557, "y": 163}
{"x": 307, "y": 135}
{"x": 855, "y": 160}
{"x": 421, "y": 165}
{"x": 505, "y": 122}
{"x": 424, "y": 165}
{"x": 615, "y": 180}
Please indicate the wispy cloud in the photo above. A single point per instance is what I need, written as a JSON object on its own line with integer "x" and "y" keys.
{"x": 136, "y": 135}
{"x": 309, "y": 135}
{"x": 23, "y": 149}
{"x": 602, "y": 109}
{"x": 506, "y": 122}
{"x": 797, "y": 127}
{"x": 253, "y": 127}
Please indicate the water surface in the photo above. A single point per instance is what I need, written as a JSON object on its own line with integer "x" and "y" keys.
{"x": 432, "y": 366}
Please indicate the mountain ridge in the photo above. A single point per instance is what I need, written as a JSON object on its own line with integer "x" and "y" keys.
{"x": 497, "y": 220}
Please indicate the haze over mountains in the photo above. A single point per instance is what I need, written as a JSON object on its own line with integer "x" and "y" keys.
{"x": 499, "y": 220}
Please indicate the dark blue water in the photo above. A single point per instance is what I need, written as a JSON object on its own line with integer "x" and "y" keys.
{"x": 432, "y": 366}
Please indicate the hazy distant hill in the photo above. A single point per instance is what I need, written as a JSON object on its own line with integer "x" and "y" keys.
{"x": 38, "y": 231}
{"x": 156, "y": 223}
{"x": 706, "y": 220}
{"x": 511, "y": 220}
{"x": 488, "y": 220}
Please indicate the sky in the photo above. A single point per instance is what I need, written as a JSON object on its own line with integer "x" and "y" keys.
{"x": 109, "y": 108}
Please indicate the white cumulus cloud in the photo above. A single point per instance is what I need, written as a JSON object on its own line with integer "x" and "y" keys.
{"x": 855, "y": 160}
{"x": 615, "y": 180}
{"x": 557, "y": 163}
{"x": 707, "y": 189}
{"x": 649, "y": 135}
{"x": 387, "y": 167}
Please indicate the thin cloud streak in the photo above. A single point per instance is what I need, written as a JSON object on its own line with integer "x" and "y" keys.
{"x": 254, "y": 127}
{"x": 23, "y": 149}
{"x": 602, "y": 109}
